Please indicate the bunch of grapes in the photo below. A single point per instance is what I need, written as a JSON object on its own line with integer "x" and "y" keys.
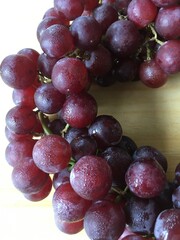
{"x": 102, "y": 181}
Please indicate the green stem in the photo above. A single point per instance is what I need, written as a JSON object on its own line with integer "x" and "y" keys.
{"x": 65, "y": 129}
{"x": 43, "y": 120}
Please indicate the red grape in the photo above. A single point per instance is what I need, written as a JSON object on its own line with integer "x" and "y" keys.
{"x": 51, "y": 153}
{"x": 91, "y": 177}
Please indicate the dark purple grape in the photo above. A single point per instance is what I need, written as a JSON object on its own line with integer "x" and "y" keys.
{"x": 145, "y": 178}
{"x": 48, "y": 99}
{"x": 149, "y": 152}
{"x": 61, "y": 177}
{"x": 122, "y": 38}
{"x": 167, "y": 22}
{"x": 137, "y": 14}
{"x": 126, "y": 70}
{"x": 42, "y": 193}
{"x": 18, "y": 151}
{"x": 57, "y": 125}
{"x": 18, "y": 71}
{"x": 91, "y": 177}
{"x": 68, "y": 205}
{"x": 79, "y": 110}
{"x": 82, "y": 146}
{"x": 21, "y": 119}
{"x": 104, "y": 220}
{"x": 75, "y": 132}
{"x": 128, "y": 144}
{"x": 86, "y": 32}
{"x": 105, "y": 15}
{"x": 51, "y": 153}
{"x": 106, "y": 130}
{"x": 151, "y": 74}
{"x": 70, "y": 75}
{"x": 168, "y": 56}
{"x": 56, "y": 41}
{"x": 99, "y": 61}
{"x": 70, "y": 8}
{"x": 141, "y": 214}
{"x": 119, "y": 161}
{"x": 28, "y": 178}
{"x": 46, "y": 64}
{"x": 176, "y": 197}
{"x": 167, "y": 225}
{"x": 68, "y": 227}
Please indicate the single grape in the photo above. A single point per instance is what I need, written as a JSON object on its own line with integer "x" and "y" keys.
{"x": 86, "y": 32}
{"x": 69, "y": 75}
{"x": 42, "y": 193}
{"x": 48, "y": 99}
{"x": 51, "y": 153}
{"x": 99, "y": 61}
{"x": 61, "y": 177}
{"x": 46, "y": 64}
{"x": 18, "y": 71}
{"x": 82, "y": 146}
{"x": 91, "y": 177}
{"x": 145, "y": 178}
{"x": 72, "y": 133}
{"x": 167, "y": 22}
{"x": 69, "y": 227}
{"x": 18, "y": 151}
{"x": 122, "y": 38}
{"x": 168, "y": 58}
{"x": 79, "y": 110}
{"x": 106, "y": 130}
{"x": 149, "y": 152}
{"x": 167, "y": 225}
{"x": 104, "y": 220}
{"x": 28, "y": 178}
{"x": 68, "y": 205}
{"x": 119, "y": 161}
{"x": 151, "y": 74}
{"x": 137, "y": 14}
{"x": 128, "y": 144}
{"x": 21, "y": 119}
{"x": 70, "y": 8}
{"x": 105, "y": 15}
{"x": 56, "y": 41}
{"x": 141, "y": 214}
{"x": 126, "y": 70}
{"x": 57, "y": 125}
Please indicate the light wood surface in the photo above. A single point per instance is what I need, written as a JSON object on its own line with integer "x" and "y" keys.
{"x": 149, "y": 116}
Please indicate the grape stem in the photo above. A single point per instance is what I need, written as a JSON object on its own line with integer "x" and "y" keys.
{"x": 119, "y": 191}
{"x": 65, "y": 129}
{"x": 43, "y": 120}
{"x": 154, "y": 38}
{"x": 43, "y": 79}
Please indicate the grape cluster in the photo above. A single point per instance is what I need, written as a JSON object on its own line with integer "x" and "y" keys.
{"x": 102, "y": 181}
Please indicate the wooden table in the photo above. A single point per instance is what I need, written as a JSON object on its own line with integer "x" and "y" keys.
{"x": 149, "y": 116}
